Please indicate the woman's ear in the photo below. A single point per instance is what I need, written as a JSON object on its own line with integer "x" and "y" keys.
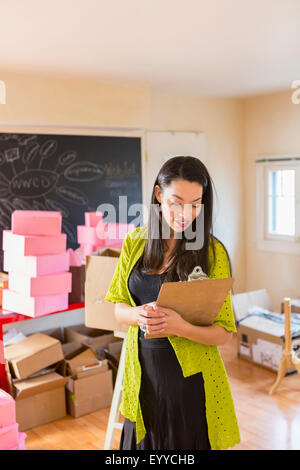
{"x": 157, "y": 193}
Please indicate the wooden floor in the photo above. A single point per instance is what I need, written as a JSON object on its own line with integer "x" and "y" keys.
{"x": 266, "y": 422}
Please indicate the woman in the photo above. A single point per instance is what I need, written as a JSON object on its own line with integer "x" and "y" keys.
{"x": 176, "y": 393}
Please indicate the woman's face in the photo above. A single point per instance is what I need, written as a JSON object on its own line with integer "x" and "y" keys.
{"x": 180, "y": 203}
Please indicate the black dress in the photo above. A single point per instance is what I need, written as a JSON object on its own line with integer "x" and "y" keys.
{"x": 173, "y": 407}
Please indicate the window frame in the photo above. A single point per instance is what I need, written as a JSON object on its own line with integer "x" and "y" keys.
{"x": 264, "y": 240}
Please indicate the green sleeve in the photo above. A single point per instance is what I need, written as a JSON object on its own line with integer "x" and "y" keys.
{"x": 221, "y": 269}
{"x": 117, "y": 291}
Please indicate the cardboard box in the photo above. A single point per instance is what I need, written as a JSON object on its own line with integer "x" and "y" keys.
{"x": 243, "y": 302}
{"x": 34, "y": 306}
{"x": 36, "y": 265}
{"x": 57, "y": 333}
{"x": 40, "y": 400}
{"x": 89, "y": 387}
{"x": 85, "y": 363}
{"x": 32, "y": 354}
{"x": 49, "y": 284}
{"x": 31, "y": 245}
{"x": 70, "y": 347}
{"x": 91, "y": 219}
{"x": 260, "y": 336}
{"x": 89, "y": 394}
{"x": 90, "y": 235}
{"x": 99, "y": 313}
{"x": 113, "y": 361}
{"x": 28, "y": 222}
{"x": 91, "y": 337}
{"x": 115, "y": 347}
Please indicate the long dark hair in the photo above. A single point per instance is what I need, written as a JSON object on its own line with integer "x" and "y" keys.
{"x": 181, "y": 261}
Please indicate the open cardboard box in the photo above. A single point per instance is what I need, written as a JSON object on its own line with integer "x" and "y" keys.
{"x": 32, "y": 354}
{"x": 84, "y": 362}
{"x": 89, "y": 393}
{"x": 99, "y": 270}
{"x": 39, "y": 400}
{"x": 92, "y": 337}
{"x": 90, "y": 385}
{"x": 260, "y": 331}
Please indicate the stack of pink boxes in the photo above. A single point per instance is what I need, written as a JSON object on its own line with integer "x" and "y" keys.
{"x": 96, "y": 234}
{"x": 37, "y": 263}
{"x": 91, "y": 236}
{"x": 115, "y": 233}
{"x": 10, "y": 438}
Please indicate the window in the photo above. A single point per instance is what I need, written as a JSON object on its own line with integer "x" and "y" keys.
{"x": 278, "y": 209}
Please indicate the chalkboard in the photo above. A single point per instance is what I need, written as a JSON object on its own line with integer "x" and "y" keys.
{"x": 68, "y": 173}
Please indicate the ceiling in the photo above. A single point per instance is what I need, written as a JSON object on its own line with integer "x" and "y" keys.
{"x": 222, "y": 48}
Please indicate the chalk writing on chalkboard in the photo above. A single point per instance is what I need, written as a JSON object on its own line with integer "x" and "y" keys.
{"x": 67, "y": 173}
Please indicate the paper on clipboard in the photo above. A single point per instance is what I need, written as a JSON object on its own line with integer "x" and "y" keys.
{"x": 198, "y": 302}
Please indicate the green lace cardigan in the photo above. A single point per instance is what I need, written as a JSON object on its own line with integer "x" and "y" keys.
{"x": 193, "y": 357}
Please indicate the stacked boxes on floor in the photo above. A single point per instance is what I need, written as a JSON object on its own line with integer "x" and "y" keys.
{"x": 37, "y": 263}
{"x": 90, "y": 386}
{"x": 34, "y": 379}
{"x": 10, "y": 437}
{"x": 47, "y": 377}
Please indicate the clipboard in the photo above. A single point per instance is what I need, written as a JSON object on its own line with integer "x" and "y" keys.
{"x": 198, "y": 301}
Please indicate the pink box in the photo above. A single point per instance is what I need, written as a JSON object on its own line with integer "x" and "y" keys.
{"x": 9, "y": 436}
{"x": 25, "y": 222}
{"x": 76, "y": 257}
{"x": 116, "y": 232}
{"x": 21, "y": 441}
{"x": 91, "y": 219}
{"x": 34, "y": 306}
{"x": 7, "y": 409}
{"x": 36, "y": 265}
{"x": 90, "y": 235}
{"x": 31, "y": 245}
{"x": 50, "y": 284}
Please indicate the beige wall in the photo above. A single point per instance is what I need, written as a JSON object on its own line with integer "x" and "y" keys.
{"x": 66, "y": 101}
{"x": 272, "y": 126}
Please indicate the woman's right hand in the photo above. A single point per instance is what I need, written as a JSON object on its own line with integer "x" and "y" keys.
{"x": 148, "y": 319}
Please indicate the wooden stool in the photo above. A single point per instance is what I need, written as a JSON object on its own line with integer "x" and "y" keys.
{"x": 289, "y": 358}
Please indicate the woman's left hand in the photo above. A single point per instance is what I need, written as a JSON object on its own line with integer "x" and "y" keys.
{"x": 174, "y": 322}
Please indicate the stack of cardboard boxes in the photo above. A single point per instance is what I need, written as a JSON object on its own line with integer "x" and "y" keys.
{"x": 50, "y": 376}
{"x": 260, "y": 331}
{"x": 33, "y": 381}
